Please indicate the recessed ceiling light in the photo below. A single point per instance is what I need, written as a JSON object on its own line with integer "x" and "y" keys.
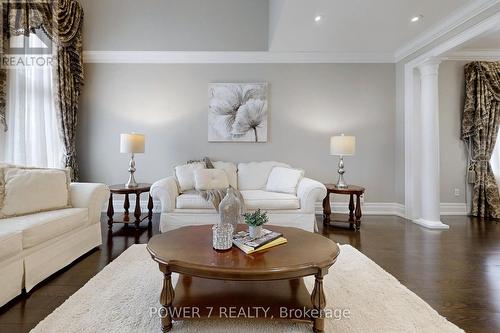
{"x": 318, "y": 18}
{"x": 417, "y": 18}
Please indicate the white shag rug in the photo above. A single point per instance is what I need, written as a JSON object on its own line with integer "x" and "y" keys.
{"x": 120, "y": 297}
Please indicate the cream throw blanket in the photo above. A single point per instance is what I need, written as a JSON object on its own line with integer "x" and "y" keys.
{"x": 215, "y": 196}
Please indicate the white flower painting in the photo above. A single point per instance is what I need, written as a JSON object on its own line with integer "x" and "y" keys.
{"x": 237, "y": 112}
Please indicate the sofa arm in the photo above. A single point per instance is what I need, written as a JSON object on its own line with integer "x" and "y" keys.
{"x": 166, "y": 191}
{"x": 309, "y": 192}
{"x": 91, "y": 196}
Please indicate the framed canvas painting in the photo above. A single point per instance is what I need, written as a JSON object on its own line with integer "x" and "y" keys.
{"x": 237, "y": 112}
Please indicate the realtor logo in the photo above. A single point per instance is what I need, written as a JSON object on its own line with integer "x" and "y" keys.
{"x": 34, "y": 50}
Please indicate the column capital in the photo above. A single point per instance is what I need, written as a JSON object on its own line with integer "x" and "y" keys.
{"x": 429, "y": 67}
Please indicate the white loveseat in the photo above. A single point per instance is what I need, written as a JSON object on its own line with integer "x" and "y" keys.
{"x": 284, "y": 209}
{"x": 34, "y": 246}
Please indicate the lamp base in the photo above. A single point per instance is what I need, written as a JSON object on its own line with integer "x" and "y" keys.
{"x": 131, "y": 179}
{"x": 340, "y": 182}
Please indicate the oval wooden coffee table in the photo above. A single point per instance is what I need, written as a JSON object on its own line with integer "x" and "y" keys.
{"x": 232, "y": 284}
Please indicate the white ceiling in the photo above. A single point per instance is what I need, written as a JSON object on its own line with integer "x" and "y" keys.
{"x": 487, "y": 41}
{"x": 353, "y": 26}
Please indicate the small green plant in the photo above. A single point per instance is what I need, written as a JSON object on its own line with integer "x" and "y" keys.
{"x": 256, "y": 218}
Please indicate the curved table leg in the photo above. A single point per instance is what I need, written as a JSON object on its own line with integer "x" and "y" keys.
{"x": 351, "y": 210}
{"x": 358, "y": 212}
{"x": 150, "y": 209}
{"x": 137, "y": 211}
{"x": 110, "y": 211}
{"x": 126, "y": 206}
{"x": 166, "y": 299}
{"x": 318, "y": 300}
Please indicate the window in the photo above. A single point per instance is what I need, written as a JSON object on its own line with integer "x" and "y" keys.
{"x": 495, "y": 160}
{"x": 33, "y": 136}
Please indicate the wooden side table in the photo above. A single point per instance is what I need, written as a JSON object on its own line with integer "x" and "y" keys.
{"x": 122, "y": 189}
{"x": 354, "y": 211}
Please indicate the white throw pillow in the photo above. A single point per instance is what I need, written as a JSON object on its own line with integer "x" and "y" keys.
{"x": 27, "y": 190}
{"x": 185, "y": 175}
{"x": 254, "y": 175}
{"x": 284, "y": 180}
{"x": 231, "y": 172}
{"x": 210, "y": 179}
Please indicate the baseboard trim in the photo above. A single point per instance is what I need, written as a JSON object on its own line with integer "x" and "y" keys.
{"x": 392, "y": 208}
{"x": 459, "y": 209}
{"x": 368, "y": 208}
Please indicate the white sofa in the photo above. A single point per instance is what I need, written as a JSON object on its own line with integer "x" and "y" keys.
{"x": 293, "y": 210}
{"x": 33, "y": 247}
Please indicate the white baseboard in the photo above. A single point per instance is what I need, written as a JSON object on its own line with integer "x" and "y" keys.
{"x": 391, "y": 208}
{"x": 453, "y": 209}
{"x": 368, "y": 208}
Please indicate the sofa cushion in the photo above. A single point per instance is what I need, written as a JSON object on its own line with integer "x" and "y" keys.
{"x": 185, "y": 175}
{"x": 41, "y": 227}
{"x": 284, "y": 180}
{"x": 11, "y": 243}
{"x": 210, "y": 179}
{"x": 31, "y": 190}
{"x": 192, "y": 200}
{"x": 255, "y": 199}
{"x": 231, "y": 171}
{"x": 254, "y": 175}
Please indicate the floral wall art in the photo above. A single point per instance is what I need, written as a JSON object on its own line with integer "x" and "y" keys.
{"x": 237, "y": 112}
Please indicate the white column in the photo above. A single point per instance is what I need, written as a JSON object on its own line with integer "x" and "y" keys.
{"x": 429, "y": 138}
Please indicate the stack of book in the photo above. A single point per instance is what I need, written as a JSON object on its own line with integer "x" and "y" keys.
{"x": 250, "y": 245}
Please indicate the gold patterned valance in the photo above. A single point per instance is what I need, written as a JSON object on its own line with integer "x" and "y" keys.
{"x": 61, "y": 20}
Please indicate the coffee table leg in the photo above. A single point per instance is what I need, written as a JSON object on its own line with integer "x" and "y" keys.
{"x": 111, "y": 211}
{"x": 358, "y": 212}
{"x": 327, "y": 209}
{"x": 318, "y": 300}
{"x": 166, "y": 299}
{"x": 137, "y": 211}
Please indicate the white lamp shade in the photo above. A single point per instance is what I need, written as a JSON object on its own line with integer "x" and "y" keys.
{"x": 342, "y": 145}
{"x": 132, "y": 143}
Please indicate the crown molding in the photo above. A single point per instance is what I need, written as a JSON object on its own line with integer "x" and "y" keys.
{"x": 203, "y": 57}
{"x": 453, "y": 21}
{"x": 474, "y": 55}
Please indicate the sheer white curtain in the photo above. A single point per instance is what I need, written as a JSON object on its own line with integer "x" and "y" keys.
{"x": 33, "y": 136}
{"x": 495, "y": 160}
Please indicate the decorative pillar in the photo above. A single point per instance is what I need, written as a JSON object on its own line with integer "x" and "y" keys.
{"x": 429, "y": 139}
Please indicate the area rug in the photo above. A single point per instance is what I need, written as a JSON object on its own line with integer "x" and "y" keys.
{"x": 121, "y": 298}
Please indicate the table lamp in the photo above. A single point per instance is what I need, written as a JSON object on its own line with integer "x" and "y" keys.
{"x": 132, "y": 144}
{"x": 342, "y": 146}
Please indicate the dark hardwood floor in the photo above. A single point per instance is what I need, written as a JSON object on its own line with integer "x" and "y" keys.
{"x": 456, "y": 271}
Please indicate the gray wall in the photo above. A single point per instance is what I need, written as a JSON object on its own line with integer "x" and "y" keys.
{"x": 175, "y": 25}
{"x": 453, "y": 155}
{"x": 308, "y": 104}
